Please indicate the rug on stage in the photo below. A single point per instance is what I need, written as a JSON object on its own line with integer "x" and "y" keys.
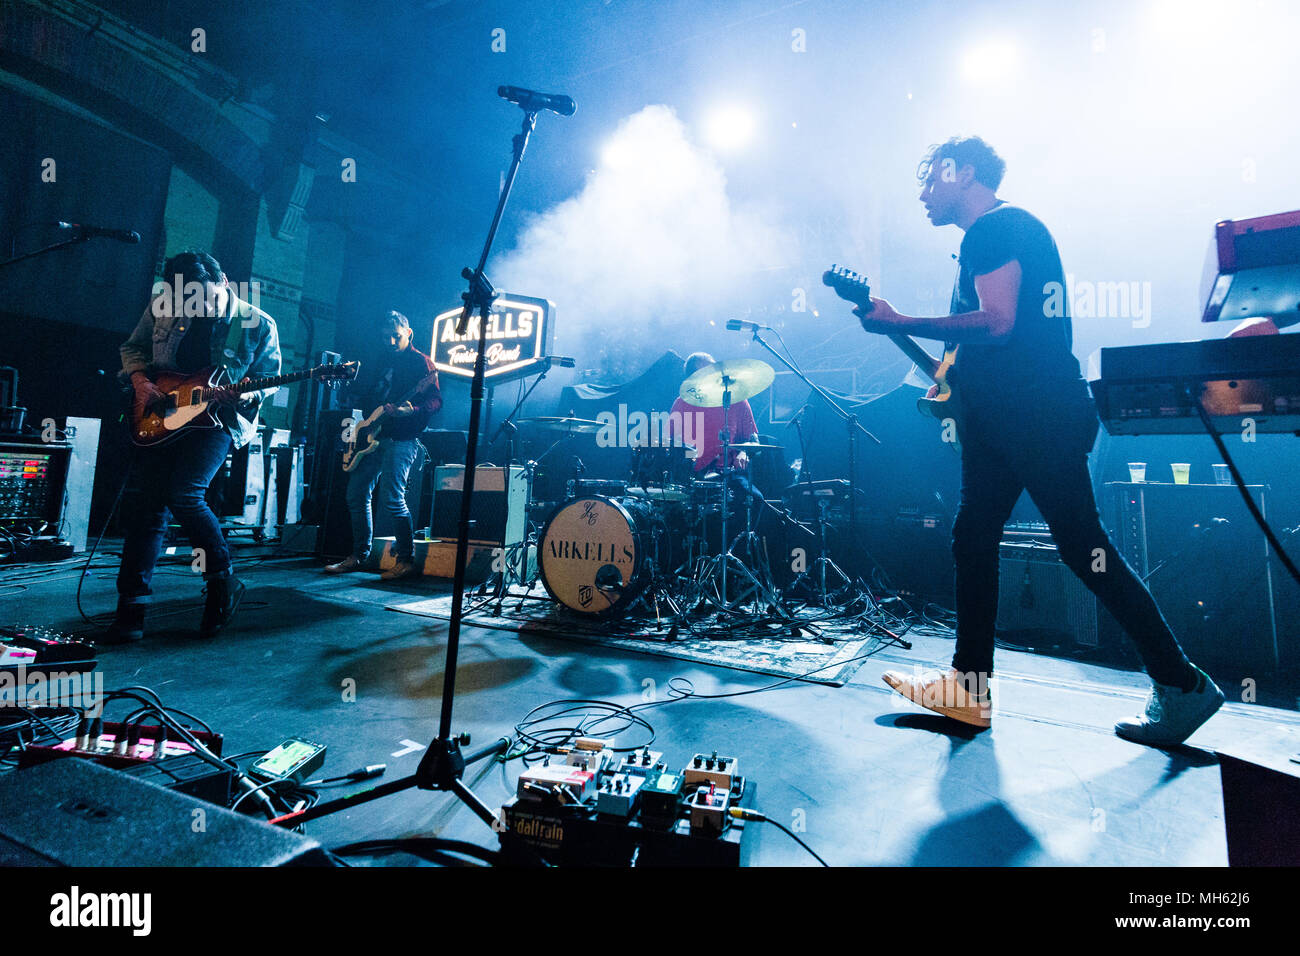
{"x": 830, "y": 654}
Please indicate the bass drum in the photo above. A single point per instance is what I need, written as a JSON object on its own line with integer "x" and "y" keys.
{"x": 597, "y": 554}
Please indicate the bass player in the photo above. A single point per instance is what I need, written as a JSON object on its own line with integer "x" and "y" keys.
{"x": 1027, "y": 423}
{"x": 408, "y": 391}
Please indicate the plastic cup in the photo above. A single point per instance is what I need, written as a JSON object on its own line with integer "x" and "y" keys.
{"x": 1221, "y": 475}
{"x": 1182, "y": 472}
{"x": 1137, "y": 471}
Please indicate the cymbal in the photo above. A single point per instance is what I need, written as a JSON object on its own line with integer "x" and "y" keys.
{"x": 755, "y": 446}
{"x": 744, "y": 377}
{"x": 575, "y": 425}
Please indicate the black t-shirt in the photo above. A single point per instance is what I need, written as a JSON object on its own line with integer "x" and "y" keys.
{"x": 194, "y": 352}
{"x": 1038, "y": 353}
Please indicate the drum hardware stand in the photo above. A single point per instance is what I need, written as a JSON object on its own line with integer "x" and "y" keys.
{"x": 823, "y": 561}
{"x": 850, "y": 422}
{"x": 761, "y": 585}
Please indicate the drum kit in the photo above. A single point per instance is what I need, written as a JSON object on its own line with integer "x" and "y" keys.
{"x": 667, "y": 541}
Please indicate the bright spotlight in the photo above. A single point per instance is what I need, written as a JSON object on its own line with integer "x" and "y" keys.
{"x": 730, "y": 128}
{"x": 990, "y": 61}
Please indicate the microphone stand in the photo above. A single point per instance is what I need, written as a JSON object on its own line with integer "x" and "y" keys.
{"x": 77, "y": 239}
{"x": 442, "y": 765}
{"x": 850, "y": 422}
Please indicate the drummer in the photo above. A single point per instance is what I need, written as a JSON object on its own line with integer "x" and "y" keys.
{"x": 710, "y": 423}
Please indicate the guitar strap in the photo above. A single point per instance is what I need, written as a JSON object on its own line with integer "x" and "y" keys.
{"x": 233, "y": 330}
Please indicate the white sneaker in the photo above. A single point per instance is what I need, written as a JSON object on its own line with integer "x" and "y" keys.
{"x": 1172, "y": 715}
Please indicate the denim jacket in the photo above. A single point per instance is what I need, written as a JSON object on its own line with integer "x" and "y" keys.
{"x": 244, "y": 341}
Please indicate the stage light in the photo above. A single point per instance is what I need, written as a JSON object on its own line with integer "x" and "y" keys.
{"x": 730, "y": 128}
{"x": 990, "y": 61}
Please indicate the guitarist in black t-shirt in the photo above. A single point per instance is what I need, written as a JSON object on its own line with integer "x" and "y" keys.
{"x": 1027, "y": 424}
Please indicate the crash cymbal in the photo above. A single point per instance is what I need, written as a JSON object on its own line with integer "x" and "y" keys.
{"x": 744, "y": 377}
{"x": 575, "y": 425}
{"x": 755, "y": 446}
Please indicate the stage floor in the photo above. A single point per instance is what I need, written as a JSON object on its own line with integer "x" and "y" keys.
{"x": 868, "y": 778}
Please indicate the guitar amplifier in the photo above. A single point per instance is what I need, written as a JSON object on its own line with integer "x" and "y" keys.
{"x": 497, "y": 511}
{"x": 1207, "y": 564}
{"x": 1039, "y": 595}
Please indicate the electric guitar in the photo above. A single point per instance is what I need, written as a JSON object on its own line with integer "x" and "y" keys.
{"x": 367, "y": 434}
{"x": 186, "y": 398}
{"x": 945, "y": 403}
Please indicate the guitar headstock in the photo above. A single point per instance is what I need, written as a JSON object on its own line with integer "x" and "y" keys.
{"x": 848, "y": 285}
{"x": 336, "y": 374}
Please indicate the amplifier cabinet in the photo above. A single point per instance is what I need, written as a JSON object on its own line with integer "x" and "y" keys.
{"x": 1038, "y": 593}
{"x": 497, "y": 512}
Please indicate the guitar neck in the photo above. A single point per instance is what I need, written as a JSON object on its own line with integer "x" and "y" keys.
{"x": 924, "y": 360}
{"x": 257, "y": 384}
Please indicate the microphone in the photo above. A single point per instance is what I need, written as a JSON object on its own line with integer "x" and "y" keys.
{"x": 794, "y": 420}
{"x": 94, "y": 232}
{"x": 740, "y": 325}
{"x": 532, "y": 101}
{"x": 563, "y": 361}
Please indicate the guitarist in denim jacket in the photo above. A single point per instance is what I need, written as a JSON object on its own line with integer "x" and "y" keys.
{"x": 1027, "y": 424}
{"x": 194, "y": 321}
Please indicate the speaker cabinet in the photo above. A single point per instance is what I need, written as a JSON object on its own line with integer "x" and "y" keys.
{"x": 497, "y": 511}
{"x": 1207, "y": 565}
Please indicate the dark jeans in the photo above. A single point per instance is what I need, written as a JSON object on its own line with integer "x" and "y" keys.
{"x": 174, "y": 478}
{"x": 1040, "y": 444}
{"x": 389, "y": 467}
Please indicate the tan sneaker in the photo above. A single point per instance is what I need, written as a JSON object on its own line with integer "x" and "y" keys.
{"x": 350, "y": 563}
{"x": 401, "y": 569}
{"x": 944, "y": 693}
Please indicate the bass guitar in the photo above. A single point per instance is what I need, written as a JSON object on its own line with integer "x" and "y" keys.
{"x": 944, "y": 404}
{"x": 368, "y": 433}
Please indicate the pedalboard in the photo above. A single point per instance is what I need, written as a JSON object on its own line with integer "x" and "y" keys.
{"x": 633, "y": 811}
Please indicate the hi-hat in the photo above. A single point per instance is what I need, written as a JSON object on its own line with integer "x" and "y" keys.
{"x": 745, "y": 378}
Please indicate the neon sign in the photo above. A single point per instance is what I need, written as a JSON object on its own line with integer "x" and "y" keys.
{"x": 518, "y": 338}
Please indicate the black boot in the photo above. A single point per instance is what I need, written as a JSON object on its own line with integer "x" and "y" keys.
{"x": 127, "y": 626}
{"x": 223, "y": 594}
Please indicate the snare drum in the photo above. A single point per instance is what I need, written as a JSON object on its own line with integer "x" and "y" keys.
{"x": 598, "y": 554}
